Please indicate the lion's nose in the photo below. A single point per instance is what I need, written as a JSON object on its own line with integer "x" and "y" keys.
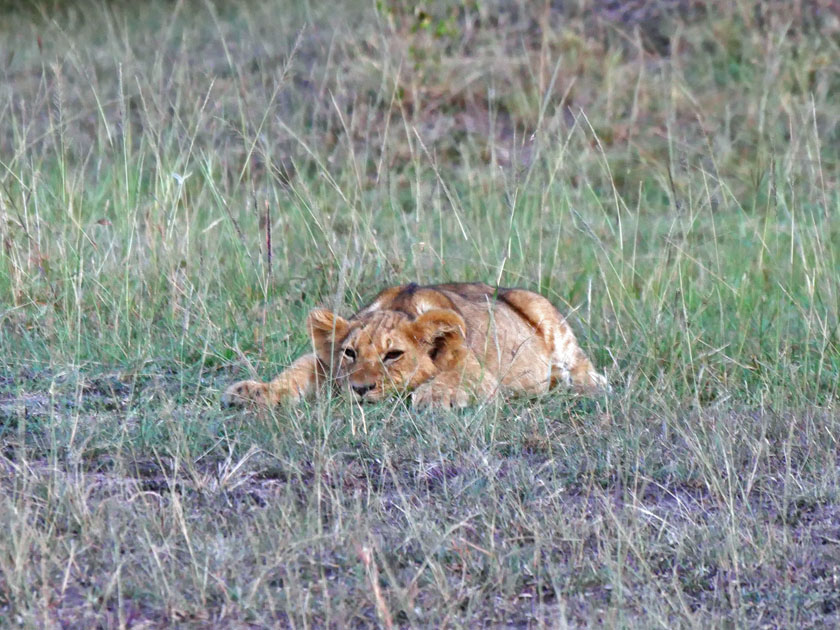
{"x": 361, "y": 390}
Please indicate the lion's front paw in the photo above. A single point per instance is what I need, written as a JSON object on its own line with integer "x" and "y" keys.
{"x": 245, "y": 393}
{"x": 436, "y": 395}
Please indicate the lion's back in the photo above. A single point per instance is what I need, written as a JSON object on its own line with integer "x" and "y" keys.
{"x": 503, "y": 325}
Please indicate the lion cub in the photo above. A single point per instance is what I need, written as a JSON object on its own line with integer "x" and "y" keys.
{"x": 448, "y": 345}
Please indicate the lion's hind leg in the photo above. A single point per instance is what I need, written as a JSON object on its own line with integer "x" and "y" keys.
{"x": 569, "y": 365}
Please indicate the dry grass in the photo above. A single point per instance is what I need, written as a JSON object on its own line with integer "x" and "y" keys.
{"x": 665, "y": 171}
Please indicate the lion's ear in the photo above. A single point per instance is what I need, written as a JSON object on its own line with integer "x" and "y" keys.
{"x": 326, "y": 329}
{"x": 441, "y": 332}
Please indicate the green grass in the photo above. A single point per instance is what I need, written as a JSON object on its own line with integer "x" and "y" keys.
{"x": 667, "y": 178}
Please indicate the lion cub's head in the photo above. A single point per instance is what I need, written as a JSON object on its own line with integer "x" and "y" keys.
{"x": 387, "y": 351}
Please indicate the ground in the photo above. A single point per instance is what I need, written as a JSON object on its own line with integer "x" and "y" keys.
{"x": 180, "y": 183}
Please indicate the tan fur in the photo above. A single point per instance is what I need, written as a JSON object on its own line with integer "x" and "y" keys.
{"x": 447, "y": 345}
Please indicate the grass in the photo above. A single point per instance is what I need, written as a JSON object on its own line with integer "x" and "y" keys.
{"x": 665, "y": 173}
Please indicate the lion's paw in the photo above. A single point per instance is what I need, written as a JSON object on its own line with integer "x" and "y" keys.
{"x": 245, "y": 393}
{"x": 434, "y": 395}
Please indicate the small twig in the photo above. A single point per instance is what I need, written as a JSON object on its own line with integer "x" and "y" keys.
{"x": 366, "y": 556}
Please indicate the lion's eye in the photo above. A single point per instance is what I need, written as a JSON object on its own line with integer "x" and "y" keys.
{"x": 392, "y": 355}
{"x": 350, "y": 353}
